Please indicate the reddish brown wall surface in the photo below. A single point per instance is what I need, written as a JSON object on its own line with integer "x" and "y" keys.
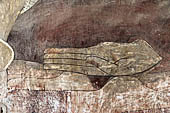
{"x": 82, "y": 24}
{"x": 61, "y": 23}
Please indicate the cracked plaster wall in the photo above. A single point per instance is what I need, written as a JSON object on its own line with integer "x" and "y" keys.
{"x": 99, "y": 101}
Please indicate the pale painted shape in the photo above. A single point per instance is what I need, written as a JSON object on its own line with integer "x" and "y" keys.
{"x": 6, "y": 55}
{"x": 28, "y": 5}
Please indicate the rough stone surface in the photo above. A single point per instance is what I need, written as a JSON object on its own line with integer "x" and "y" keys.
{"x": 105, "y": 59}
{"x": 6, "y": 55}
{"x": 149, "y": 93}
{"x": 25, "y": 101}
{"x": 140, "y": 99}
{"x": 84, "y": 23}
{"x": 144, "y": 93}
{"x": 68, "y": 69}
{"x": 31, "y": 76}
{"x": 9, "y": 11}
{"x": 3, "y": 84}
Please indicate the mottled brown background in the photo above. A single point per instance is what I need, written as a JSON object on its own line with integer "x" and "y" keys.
{"x": 83, "y": 23}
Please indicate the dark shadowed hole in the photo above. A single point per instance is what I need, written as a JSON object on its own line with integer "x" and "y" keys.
{"x": 98, "y": 81}
{"x": 1, "y": 110}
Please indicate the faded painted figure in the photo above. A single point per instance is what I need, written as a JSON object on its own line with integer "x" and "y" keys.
{"x": 83, "y": 68}
{"x": 105, "y": 59}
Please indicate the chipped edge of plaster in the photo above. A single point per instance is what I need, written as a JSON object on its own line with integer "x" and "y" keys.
{"x": 12, "y": 55}
{"x": 28, "y": 5}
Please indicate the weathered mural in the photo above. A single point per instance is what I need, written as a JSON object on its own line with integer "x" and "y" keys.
{"x": 84, "y": 56}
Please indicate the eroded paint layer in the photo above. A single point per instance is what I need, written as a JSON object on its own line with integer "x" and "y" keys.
{"x": 105, "y": 59}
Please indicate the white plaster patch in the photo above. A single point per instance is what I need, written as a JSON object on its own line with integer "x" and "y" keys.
{"x": 119, "y": 97}
{"x": 28, "y": 5}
